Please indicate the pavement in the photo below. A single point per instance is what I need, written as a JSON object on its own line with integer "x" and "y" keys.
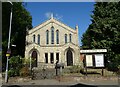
{"x": 73, "y": 82}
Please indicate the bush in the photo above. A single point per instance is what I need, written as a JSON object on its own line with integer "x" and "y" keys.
{"x": 118, "y": 72}
{"x": 11, "y": 73}
{"x": 18, "y": 66}
{"x": 24, "y": 72}
{"x": 75, "y": 69}
{"x": 15, "y": 64}
{"x": 112, "y": 67}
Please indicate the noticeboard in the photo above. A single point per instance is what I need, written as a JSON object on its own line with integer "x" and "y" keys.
{"x": 89, "y": 61}
{"x": 94, "y": 60}
{"x": 99, "y": 60}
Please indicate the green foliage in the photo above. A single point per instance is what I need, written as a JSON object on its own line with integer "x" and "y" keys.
{"x": 118, "y": 70}
{"x": 21, "y": 19}
{"x": 11, "y": 73}
{"x": 26, "y": 61}
{"x": 18, "y": 66}
{"x": 15, "y": 64}
{"x": 104, "y": 32}
{"x": 112, "y": 67}
{"x": 75, "y": 69}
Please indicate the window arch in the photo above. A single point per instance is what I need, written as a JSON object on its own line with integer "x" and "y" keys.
{"x": 52, "y": 35}
{"x": 47, "y": 37}
{"x": 57, "y": 36}
{"x": 34, "y": 38}
{"x": 70, "y": 36}
{"x": 38, "y": 39}
{"x": 65, "y": 38}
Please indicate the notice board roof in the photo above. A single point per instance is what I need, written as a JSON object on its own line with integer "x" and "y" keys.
{"x": 94, "y": 51}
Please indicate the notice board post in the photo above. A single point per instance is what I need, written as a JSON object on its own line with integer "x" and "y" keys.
{"x": 102, "y": 72}
{"x": 85, "y": 66}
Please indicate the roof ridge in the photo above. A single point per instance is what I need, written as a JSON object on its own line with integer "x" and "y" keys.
{"x": 52, "y": 20}
{"x": 64, "y": 23}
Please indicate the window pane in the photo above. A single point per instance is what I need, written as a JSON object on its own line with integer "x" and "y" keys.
{"x": 52, "y": 35}
{"x": 65, "y": 38}
{"x": 38, "y": 39}
{"x": 46, "y": 57}
{"x": 51, "y": 57}
{"x": 47, "y": 37}
{"x": 34, "y": 38}
{"x": 70, "y": 38}
{"x": 57, "y": 37}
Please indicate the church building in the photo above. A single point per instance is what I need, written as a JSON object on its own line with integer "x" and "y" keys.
{"x": 53, "y": 41}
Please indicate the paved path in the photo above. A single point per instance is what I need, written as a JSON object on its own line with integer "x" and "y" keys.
{"x": 70, "y": 82}
{"x": 75, "y": 83}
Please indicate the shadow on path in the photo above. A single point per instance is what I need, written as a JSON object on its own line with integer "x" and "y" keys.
{"x": 82, "y": 85}
{"x": 76, "y": 85}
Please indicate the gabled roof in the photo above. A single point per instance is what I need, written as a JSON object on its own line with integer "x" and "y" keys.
{"x": 51, "y": 20}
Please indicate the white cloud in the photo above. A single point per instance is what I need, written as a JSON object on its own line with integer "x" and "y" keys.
{"x": 56, "y": 16}
{"x": 48, "y": 14}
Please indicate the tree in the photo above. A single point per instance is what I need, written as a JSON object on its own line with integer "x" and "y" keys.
{"x": 20, "y": 20}
{"x": 104, "y": 32}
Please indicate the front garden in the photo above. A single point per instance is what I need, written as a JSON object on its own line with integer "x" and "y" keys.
{"x": 19, "y": 71}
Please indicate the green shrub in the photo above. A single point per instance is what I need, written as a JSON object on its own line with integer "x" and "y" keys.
{"x": 75, "y": 69}
{"x": 15, "y": 64}
{"x": 18, "y": 66}
{"x": 11, "y": 73}
{"x": 112, "y": 67}
{"x": 118, "y": 72}
{"x": 24, "y": 72}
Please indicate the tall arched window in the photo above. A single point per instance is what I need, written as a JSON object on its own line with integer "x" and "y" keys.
{"x": 65, "y": 38}
{"x": 47, "y": 37}
{"x": 70, "y": 35}
{"x": 34, "y": 38}
{"x": 57, "y": 36}
{"x": 52, "y": 35}
{"x": 38, "y": 39}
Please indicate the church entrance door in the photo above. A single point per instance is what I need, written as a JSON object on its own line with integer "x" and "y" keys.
{"x": 34, "y": 58}
{"x": 69, "y": 57}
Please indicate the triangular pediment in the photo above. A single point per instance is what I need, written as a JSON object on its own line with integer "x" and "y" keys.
{"x": 51, "y": 20}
